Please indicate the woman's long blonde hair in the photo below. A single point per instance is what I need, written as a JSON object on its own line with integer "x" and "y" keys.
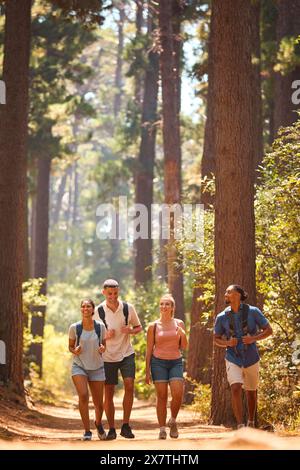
{"x": 171, "y": 298}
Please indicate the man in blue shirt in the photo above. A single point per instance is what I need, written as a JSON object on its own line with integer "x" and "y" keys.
{"x": 237, "y": 329}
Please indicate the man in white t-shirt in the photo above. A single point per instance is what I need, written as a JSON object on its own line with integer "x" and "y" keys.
{"x": 121, "y": 321}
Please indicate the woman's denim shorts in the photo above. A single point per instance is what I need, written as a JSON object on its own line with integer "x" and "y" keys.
{"x": 165, "y": 370}
{"x": 97, "y": 375}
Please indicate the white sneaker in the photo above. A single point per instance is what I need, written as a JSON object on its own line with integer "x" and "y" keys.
{"x": 162, "y": 434}
{"x": 239, "y": 426}
{"x": 87, "y": 436}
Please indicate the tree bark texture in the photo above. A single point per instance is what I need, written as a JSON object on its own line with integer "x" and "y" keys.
{"x": 145, "y": 168}
{"x": 13, "y": 194}
{"x": 235, "y": 128}
{"x": 40, "y": 267}
{"x": 169, "y": 66}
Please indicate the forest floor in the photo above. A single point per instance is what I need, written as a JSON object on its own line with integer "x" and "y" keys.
{"x": 59, "y": 427}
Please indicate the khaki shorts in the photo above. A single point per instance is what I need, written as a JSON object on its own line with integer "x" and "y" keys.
{"x": 248, "y": 376}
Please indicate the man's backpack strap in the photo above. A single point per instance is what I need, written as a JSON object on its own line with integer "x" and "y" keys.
{"x": 126, "y": 312}
{"x": 79, "y": 329}
{"x": 231, "y": 325}
{"x": 245, "y": 313}
{"x": 102, "y": 315}
{"x": 97, "y": 327}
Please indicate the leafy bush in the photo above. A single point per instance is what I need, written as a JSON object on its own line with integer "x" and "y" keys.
{"x": 278, "y": 259}
{"x": 202, "y": 400}
{"x": 56, "y": 383}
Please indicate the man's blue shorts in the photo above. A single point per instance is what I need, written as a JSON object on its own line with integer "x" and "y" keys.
{"x": 166, "y": 370}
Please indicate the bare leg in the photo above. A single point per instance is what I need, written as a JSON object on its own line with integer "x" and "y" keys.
{"x": 251, "y": 400}
{"x": 176, "y": 387}
{"x": 237, "y": 403}
{"x": 80, "y": 382}
{"x": 161, "y": 402}
{"x": 109, "y": 405}
{"x": 96, "y": 388}
{"x": 128, "y": 398}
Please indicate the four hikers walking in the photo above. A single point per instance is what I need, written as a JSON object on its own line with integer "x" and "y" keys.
{"x": 238, "y": 328}
{"x": 101, "y": 346}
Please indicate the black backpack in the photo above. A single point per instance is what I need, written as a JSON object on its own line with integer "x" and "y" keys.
{"x": 245, "y": 311}
{"x": 79, "y": 328}
{"x": 101, "y": 312}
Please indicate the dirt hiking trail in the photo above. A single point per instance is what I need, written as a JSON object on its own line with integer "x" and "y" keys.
{"x": 49, "y": 427}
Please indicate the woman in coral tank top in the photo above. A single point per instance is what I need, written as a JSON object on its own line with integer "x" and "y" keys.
{"x": 165, "y": 339}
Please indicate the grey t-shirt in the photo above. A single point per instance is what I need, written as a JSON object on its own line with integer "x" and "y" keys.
{"x": 90, "y": 358}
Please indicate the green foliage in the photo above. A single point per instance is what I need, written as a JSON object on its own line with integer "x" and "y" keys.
{"x": 56, "y": 383}
{"x": 55, "y": 65}
{"x": 199, "y": 268}
{"x": 278, "y": 258}
{"x": 202, "y": 400}
{"x": 32, "y": 300}
{"x": 288, "y": 55}
{"x": 64, "y": 304}
{"x": 89, "y": 12}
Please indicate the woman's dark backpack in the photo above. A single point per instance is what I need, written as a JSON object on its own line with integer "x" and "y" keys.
{"x": 79, "y": 328}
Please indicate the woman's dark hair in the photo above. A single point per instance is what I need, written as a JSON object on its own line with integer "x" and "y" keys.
{"x": 90, "y": 301}
{"x": 241, "y": 291}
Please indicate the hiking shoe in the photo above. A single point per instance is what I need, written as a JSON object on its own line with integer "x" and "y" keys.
{"x": 87, "y": 436}
{"x": 111, "y": 434}
{"x": 162, "y": 434}
{"x": 100, "y": 431}
{"x": 250, "y": 424}
{"x": 173, "y": 428}
{"x": 239, "y": 426}
{"x": 126, "y": 431}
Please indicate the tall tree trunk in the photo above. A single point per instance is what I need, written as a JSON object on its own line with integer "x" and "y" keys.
{"x": 118, "y": 74}
{"x": 162, "y": 268}
{"x": 169, "y": 64}
{"x": 32, "y": 233}
{"x": 115, "y": 243}
{"x": 59, "y": 197}
{"x": 40, "y": 268}
{"x": 76, "y": 194}
{"x": 139, "y": 22}
{"x": 145, "y": 169}
{"x": 288, "y": 25}
{"x": 234, "y": 124}
{"x": 199, "y": 363}
{"x": 13, "y": 194}
{"x": 256, "y": 83}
